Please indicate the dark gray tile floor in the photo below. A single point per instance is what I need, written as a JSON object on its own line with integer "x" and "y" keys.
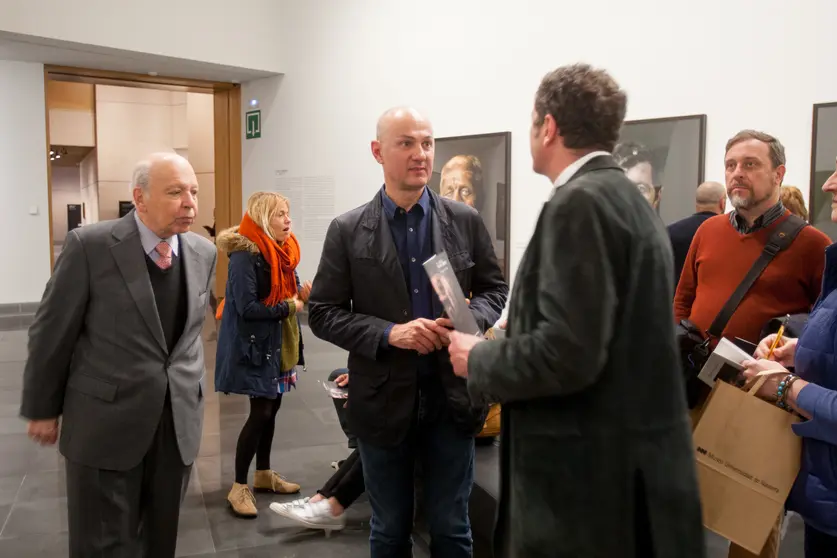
{"x": 33, "y": 519}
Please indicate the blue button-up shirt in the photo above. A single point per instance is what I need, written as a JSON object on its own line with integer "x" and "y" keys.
{"x": 414, "y": 245}
{"x": 411, "y": 233}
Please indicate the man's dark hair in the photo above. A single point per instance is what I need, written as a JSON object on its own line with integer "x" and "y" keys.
{"x": 774, "y": 146}
{"x": 587, "y": 104}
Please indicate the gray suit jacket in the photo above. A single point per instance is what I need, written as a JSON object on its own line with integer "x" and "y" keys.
{"x": 97, "y": 355}
{"x": 596, "y": 449}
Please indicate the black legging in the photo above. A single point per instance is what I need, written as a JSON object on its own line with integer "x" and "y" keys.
{"x": 256, "y": 437}
{"x": 346, "y": 485}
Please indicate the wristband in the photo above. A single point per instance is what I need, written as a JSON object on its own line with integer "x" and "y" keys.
{"x": 784, "y": 388}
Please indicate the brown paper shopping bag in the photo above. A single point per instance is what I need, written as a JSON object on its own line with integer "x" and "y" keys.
{"x": 747, "y": 460}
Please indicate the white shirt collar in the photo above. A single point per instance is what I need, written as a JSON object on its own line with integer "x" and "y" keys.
{"x": 150, "y": 240}
{"x": 570, "y": 171}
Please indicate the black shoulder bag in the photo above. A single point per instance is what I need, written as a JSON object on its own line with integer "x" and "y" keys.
{"x": 694, "y": 346}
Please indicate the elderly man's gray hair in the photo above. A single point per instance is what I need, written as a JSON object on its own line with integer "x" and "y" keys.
{"x": 141, "y": 176}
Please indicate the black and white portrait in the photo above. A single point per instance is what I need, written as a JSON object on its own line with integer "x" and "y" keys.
{"x": 665, "y": 159}
{"x": 823, "y": 154}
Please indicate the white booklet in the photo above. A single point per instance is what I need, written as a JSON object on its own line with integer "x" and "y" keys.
{"x": 725, "y": 363}
{"x": 450, "y": 294}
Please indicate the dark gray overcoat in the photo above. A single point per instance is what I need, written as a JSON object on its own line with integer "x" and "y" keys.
{"x": 597, "y": 458}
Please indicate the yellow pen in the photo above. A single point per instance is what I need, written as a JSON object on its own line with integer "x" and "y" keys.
{"x": 776, "y": 341}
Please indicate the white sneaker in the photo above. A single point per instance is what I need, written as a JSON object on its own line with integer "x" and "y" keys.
{"x": 294, "y": 503}
{"x": 314, "y": 516}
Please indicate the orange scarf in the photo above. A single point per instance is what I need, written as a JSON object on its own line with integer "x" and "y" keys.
{"x": 282, "y": 259}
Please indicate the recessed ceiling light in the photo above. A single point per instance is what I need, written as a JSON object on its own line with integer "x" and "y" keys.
{"x": 152, "y": 73}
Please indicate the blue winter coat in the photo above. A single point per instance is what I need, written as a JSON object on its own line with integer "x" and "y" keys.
{"x": 814, "y": 495}
{"x": 248, "y": 357}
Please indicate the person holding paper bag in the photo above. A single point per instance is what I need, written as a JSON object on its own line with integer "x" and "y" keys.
{"x": 811, "y": 391}
{"x": 596, "y": 449}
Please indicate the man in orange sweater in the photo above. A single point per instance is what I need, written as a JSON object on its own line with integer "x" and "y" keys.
{"x": 726, "y": 246}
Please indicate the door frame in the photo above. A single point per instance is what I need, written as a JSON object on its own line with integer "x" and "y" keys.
{"x": 227, "y": 126}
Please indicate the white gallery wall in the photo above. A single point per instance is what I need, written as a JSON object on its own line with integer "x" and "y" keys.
{"x": 241, "y": 33}
{"x": 23, "y": 183}
{"x": 473, "y": 67}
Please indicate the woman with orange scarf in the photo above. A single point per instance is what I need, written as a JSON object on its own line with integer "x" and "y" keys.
{"x": 259, "y": 342}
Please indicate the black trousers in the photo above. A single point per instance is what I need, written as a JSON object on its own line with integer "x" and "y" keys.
{"x": 340, "y": 409}
{"x": 129, "y": 514}
{"x": 346, "y": 485}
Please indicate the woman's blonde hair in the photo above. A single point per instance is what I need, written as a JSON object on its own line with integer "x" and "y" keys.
{"x": 262, "y": 206}
{"x": 793, "y": 201}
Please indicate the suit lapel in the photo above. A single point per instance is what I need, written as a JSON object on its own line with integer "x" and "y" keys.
{"x": 194, "y": 283}
{"x": 130, "y": 259}
{"x": 389, "y": 254}
{"x": 444, "y": 239}
{"x": 381, "y": 245}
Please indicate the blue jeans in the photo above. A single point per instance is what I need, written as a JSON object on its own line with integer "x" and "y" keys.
{"x": 446, "y": 458}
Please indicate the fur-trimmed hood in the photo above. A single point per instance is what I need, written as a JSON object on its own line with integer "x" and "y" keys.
{"x": 230, "y": 241}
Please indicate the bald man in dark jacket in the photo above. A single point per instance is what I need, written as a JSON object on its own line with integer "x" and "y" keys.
{"x": 710, "y": 200}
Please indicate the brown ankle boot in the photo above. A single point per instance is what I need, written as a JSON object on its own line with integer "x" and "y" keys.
{"x": 242, "y": 501}
{"x": 271, "y": 481}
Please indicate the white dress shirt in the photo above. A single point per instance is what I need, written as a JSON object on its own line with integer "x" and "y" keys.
{"x": 562, "y": 179}
{"x": 573, "y": 168}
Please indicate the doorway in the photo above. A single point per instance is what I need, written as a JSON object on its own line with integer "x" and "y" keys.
{"x": 135, "y": 114}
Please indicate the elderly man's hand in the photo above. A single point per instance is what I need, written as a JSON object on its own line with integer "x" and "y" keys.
{"x": 459, "y": 349}
{"x": 45, "y": 432}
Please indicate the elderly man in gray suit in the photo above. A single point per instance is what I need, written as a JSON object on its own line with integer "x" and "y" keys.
{"x": 115, "y": 352}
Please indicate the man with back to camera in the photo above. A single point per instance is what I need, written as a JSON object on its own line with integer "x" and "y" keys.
{"x": 115, "y": 351}
{"x": 596, "y": 452}
{"x": 405, "y": 405}
{"x": 710, "y": 200}
{"x": 726, "y": 246}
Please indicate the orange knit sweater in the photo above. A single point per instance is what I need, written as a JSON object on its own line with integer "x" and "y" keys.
{"x": 720, "y": 257}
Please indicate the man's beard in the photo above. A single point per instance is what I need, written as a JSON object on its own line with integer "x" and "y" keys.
{"x": 749, "y": 202}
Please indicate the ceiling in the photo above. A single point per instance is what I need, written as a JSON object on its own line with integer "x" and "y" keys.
{"x": 26, "y": 48}
{"x": 70, "y": 155}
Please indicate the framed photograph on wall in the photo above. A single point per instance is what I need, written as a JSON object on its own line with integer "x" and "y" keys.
{"x": 665, "y": 158}
{"x": 823, "y": 153}
{"x": 476, "y": 170}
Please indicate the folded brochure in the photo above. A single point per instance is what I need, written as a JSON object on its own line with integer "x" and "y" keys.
{"x": 725, "y": 364}
{"x": 335, "y": 391}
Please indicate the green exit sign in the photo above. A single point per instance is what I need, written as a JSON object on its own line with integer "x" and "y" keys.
{"x": 253, "y": 123}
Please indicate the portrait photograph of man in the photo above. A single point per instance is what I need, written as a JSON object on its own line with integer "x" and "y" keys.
{"x": 664, "y": 158}
{"x": 475, "y": 170}
{"x": 822, "y": 167}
